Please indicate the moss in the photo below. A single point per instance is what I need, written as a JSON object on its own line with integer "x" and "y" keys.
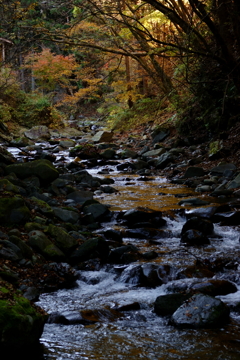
{"x": 4, "y": 290}
{"x": 21, "y": 324}
{"x": 13, "y": 210}
{"x": 43, "y": 207}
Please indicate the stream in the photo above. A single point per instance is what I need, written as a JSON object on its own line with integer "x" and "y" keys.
{"x": 140, "y": 334}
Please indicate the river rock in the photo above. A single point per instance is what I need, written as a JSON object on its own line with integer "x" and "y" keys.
{"x": 140, "y": 165}
{"x": 214, "y": 287}
{"x": 203, "y": 212}
{"x": 152, "y": 153}
{"x": 128, "y": 153}
{"x": 62, "y": 239}
{"x": 21, "y": 324}
{"x": 13, "y": 211}
{"x": 141, "y": 214}
{"x": 108, "y": 154}
{"x": 97, "y": 210}
{"x": 133, "y": 274}
{"x": 39, "y": 132}
{"x": 67, "y": 143}
{"x": 220, "y": 170}
{"x": 90, "y": 249}
{"x": 203, "y": 225}
{"x": 163, "y": 160}
{"x": 41, "y": 206}
{"x": 68, "y": 318}
{"x": 10, "y": 251}
{"x": 84, "y": 152}
{"x": 227, "y": 218}
{"x": 67, "y": 216}
{"x": 6, "y": 157}
{"x": 108, "y": 189}
{"x": 112, "y": 234}
{"x": 39, "y": 241}
{"x": 21, "y": 141}
{"x": 32, "y": 294}
{"x": 6, "y": 185}
{"x": 52, "y": 252}
{"x": 194, "y": 171}
{"x": 43, "y": 169}
{"x": 193, "y": 202}
{"x": 201, "y": 311}
{"x": 151, "y": 277}
{"x": 235, "y": 183}
{"x": 159, "y": 135}
{"x": 116, "y": 256}
{"x": 103, "y": 136}
{"x": 25, "y": 249}
{"x": 80, "y": 196}
{"x": 169, "y": 303}
{"x": 194, "y": 237}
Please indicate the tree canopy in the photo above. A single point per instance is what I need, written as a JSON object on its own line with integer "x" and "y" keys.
{"x": 173, "y": 48}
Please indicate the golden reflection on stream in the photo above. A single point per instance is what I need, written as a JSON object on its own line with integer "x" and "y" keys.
{"x": 157, "y": 193}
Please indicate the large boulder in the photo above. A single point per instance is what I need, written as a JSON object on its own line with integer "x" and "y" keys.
{"x": 39, "y": 132}
{"x": 43, "y": 169}
{"x": 102, "y": 136}
{"x": 201, "y": 311}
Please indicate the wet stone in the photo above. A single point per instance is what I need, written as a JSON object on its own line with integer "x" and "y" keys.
{"x": 194, "y": 237}
{"x": 169, "y": 303}
{"x": 201, "y": 311}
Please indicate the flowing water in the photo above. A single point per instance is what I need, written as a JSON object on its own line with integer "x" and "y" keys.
{"x": 140, "y": 334}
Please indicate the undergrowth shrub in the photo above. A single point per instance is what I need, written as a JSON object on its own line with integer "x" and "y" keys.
{"x": 22, "y": 108}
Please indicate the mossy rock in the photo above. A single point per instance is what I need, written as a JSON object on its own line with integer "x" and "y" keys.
{"x": 43, "y": 169}
{"x": 52, "y": 252}
{"x": 63, "y": 240}
{"x": 31, "y": 226}
{"x": 13, "y": 211}
{"x": 6, "y": 185}
{"x": 43, "y": 207}
{"x": 21, "y": 324}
